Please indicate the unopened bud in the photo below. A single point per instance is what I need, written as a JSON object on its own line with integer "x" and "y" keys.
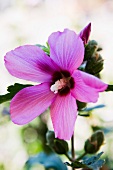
{"x": 85, "y": 33}
{"x": 58, "y": 145}
{"x": 94, "y": 64}
{"x": 92, "y": 145}
{"x": 90, "y": 48}
{"x": 50, "y": 136}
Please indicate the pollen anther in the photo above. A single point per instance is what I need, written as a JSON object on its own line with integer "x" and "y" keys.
{"x": 59, "y": 84}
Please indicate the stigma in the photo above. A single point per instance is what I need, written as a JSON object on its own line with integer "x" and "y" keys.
{"x": 59, "y": 84}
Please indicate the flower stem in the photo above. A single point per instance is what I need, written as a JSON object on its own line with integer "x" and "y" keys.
{"x": 81, "y": 156}
{"x": 72, "y": 149}
{"x": 68, "y": 157}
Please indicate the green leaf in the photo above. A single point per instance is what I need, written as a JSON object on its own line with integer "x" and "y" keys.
{"x": 81, "y": 105}
{"x": 89, "y": 109}
{"x": 76, "y": 165}
{"x": 109, "y": 88}
{"x": 93, "y": 159}
{"x": 92, "y": 108}
{"x": 94, "y": 162}
{"x": 84, "y": 115}
{"x": 45, "y": 49}
{"x": 97, "y": 164}
{"x": 12, "y": 90}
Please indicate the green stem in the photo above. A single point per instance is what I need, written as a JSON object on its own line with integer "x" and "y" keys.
{"x": 72, "y": 149}
{"x": 81, "y": 156}
{"x": 66, "y": 154}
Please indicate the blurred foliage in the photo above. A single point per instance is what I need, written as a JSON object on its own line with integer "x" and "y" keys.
{"x": 2, "y": 167}
{"x": 49, "y": 161}
{"x": 12, "y": 90}
{"x": 4, "y": 114}
{"x": 93, "y": 163}
{"x": 34, "y": 136}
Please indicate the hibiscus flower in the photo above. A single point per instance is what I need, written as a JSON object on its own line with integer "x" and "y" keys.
{"x": 61, "y": 83}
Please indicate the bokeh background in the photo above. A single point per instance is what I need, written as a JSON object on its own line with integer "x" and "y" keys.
{"x": 31, "y": 22}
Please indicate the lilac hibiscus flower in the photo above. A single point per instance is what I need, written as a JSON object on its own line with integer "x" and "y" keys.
{"x": 61, "y": 84}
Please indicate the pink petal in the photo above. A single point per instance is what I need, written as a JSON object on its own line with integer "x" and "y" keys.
{"x": 66, "y": 49}
{"x": 29, "y": 62}
{"x": 85, "y": 33}
{"x": 63, "y": 115}
{"x": 30, "y": 102}
{"x": 93, "y": 81}
{"x": 81, "y": 91}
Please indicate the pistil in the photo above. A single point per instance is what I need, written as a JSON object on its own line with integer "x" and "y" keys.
{"x": 59, "y": 84}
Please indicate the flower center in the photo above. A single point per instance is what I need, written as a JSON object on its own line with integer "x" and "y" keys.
{"x": 62, "y": 82}
{"x": 59, "y": 84}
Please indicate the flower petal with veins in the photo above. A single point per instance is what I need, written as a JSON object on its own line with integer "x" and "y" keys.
{"x": 30, "y": 102}
{"x": 29, "y": 62}
{"x": 66, "y": 49}
{"x": 63, "y": 115}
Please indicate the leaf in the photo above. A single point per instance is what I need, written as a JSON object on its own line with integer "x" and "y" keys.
{"x": 76, "y": 164}
{"x": 97, "y": 164}
{"x": 13, "y": 89}
{"x": 92, "y": 159}
{"x": 45, "y": 49}
{"x": 85, "y": 115}
{"x": 109, "y": 88}
{"x": 94, "y": 162}
{"x": 47, "y": 160}
{"x": 89, "y": 109}
{"x": 92, "y": 108}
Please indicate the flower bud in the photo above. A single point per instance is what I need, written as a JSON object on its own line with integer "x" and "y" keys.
{"x": 94, "y": 64}
{"x": 90, "y": 48}
{"x": 92, "y": 145}
{"x": 58, "y": 145}
{"x": 50, "y": 136}
{"x": 85, "y": 33}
